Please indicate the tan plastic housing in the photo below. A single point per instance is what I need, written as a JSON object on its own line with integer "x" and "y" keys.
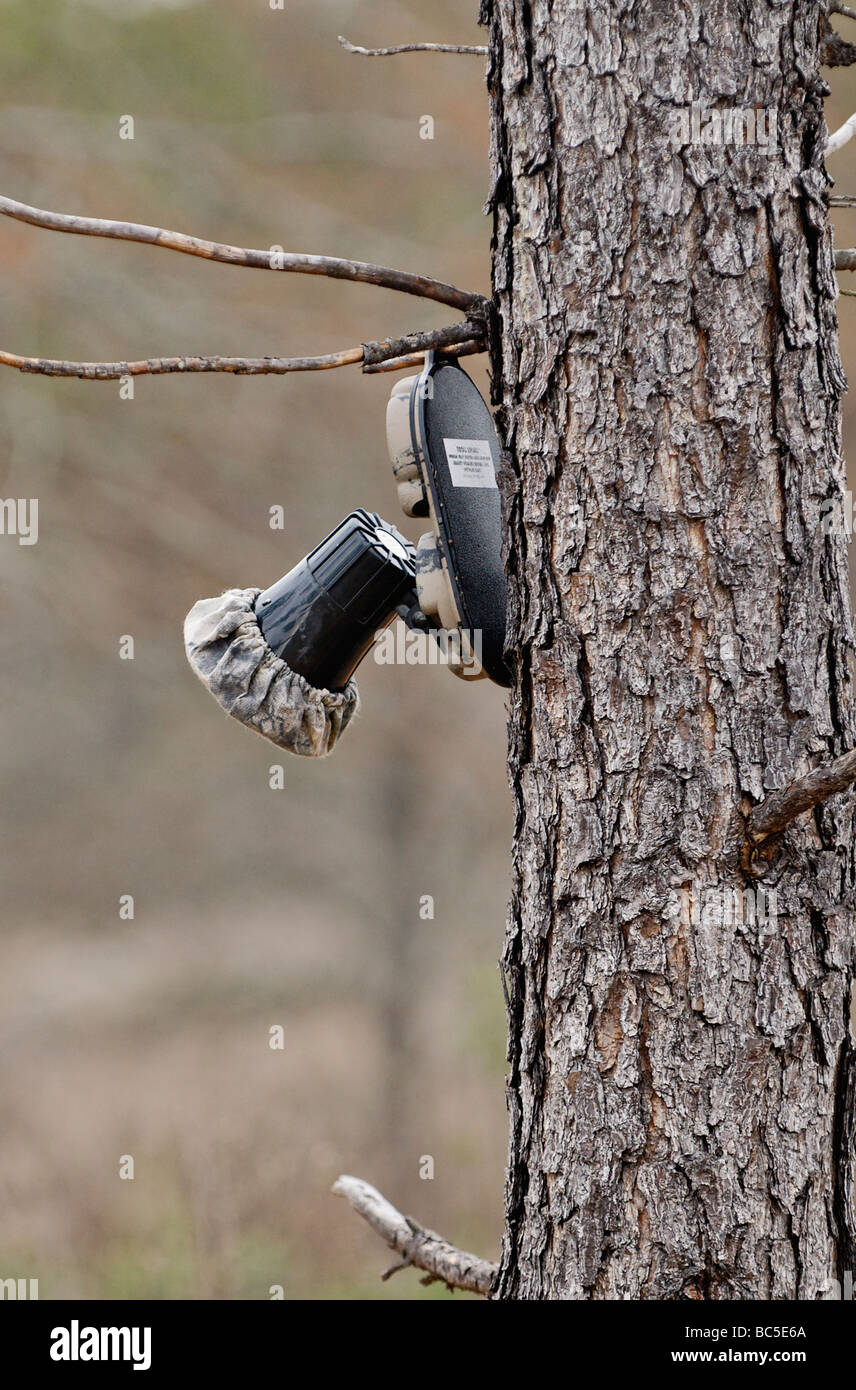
{"x": 433, "y": 585}
{"x": 411, "y": 491}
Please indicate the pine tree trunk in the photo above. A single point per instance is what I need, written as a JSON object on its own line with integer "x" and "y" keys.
{"x": 666, "y": 365}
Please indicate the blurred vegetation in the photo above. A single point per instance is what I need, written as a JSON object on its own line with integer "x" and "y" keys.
{"x": 253, "y": 907}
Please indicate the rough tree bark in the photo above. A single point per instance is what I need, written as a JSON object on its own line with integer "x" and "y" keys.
{"x": 666, "y": 367}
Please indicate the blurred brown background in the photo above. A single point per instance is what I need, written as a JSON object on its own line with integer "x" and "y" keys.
{"x": 253, "y": 907}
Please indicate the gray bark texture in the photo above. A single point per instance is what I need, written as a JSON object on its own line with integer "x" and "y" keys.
{"x": 666, "y": 367}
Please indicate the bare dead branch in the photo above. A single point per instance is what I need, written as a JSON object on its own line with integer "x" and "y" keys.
{"x": 842, "y": 200}
{"x": 418, "y": 1247}
{"x": 845, "y": 259}
{"x": 841, "y": 135}
{"x": 834, "y": 51}
{"x": 332, "y": 266}
{"x": 835, "y": 8}
{"x": 455, "y": 334}
{"x": 458, "y": 339}
{"x": 477, "y": 48}
{"x": 782, "y": 807}
{"x": 415, "y": 359}
{"x": 164, "y": 366}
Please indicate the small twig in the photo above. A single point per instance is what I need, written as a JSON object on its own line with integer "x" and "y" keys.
{"x": 842, "y": 200}
{"x": 333, "y": 266}
{"x": 845, "y": 259}
{"x": 425, "y": 1249}
{"x": 415, "y": 359}
{"x": 456, "y": 334}
{"x": 841, "y": 135}
{"x": 381, "y": 356}
{"x": 477, "y": 48}
{"x": 164, "y": 366}
{"x": 780, "y": 808}
{"x": 835, "y": 8}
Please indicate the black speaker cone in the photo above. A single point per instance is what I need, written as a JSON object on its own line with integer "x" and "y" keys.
{"x": 321, "y": 618}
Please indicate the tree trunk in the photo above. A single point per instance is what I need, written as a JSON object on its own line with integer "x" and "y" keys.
{"x": 666, "y": 365}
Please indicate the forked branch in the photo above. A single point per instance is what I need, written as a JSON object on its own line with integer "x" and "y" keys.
{"x": 467, "y": 337}
{"x": 416, "y": 1246}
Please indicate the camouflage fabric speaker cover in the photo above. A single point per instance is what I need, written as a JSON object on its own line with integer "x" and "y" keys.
{"x": 230, "y": 656}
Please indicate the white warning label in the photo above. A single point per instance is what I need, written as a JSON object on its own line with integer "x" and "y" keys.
{"x": 470, "y": 462}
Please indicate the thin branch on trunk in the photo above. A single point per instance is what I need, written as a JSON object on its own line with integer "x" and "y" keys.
{"x": 415, "y": 359}
{"x": 334, "y": 267}
{"x": 835, "y": 8}
{"x": 845, "y": 259}
{"x": 471, "y": 330}
{"x": 480, "y": 49}
{"x": 388, "y": 355}
{"x": 841, "y": 135}
{"x": 422, "y": 1249}
{"x": 842, "y": 200}
{"x": 779, "y": 809}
